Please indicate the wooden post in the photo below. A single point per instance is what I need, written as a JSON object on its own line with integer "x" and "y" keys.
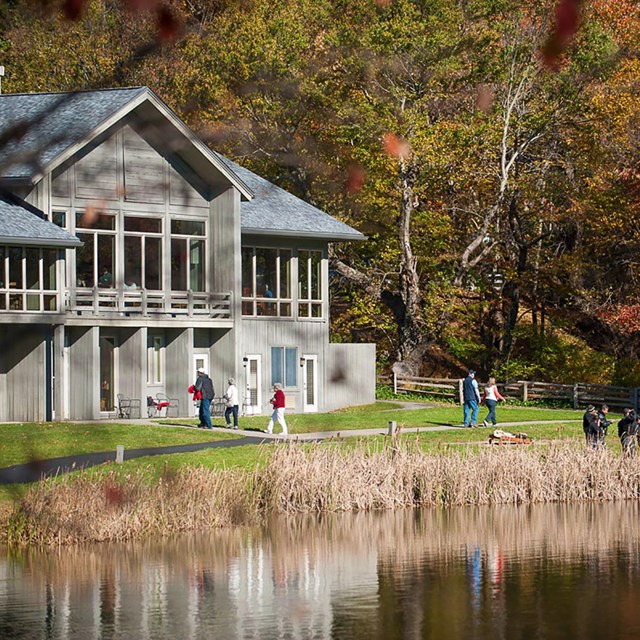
{"x": 576, "y": 396}
{"x": 525, "y": 391}
{"x": 392, "y": 428}
{"x": 461, "y": 390}
{"x": 119, "y": 454}
{"x": 395, "y": 383}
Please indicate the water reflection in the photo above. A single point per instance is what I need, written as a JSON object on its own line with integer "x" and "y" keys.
{"x": 503, "y": 572}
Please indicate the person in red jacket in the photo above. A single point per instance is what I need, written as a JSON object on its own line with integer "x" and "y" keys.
{"x": 278, "y": 410}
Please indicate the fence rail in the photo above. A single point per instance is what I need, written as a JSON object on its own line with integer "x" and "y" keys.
{"x": 577, "y": 394}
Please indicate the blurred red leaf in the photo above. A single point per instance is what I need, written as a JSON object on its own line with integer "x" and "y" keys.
{"x": 484, "y": 97}
{"x": 114, "y": 494}
{"x": 565, "y": 28}
{"x": 138, "y": 6}
{"x": 73, "y": 9}
{"x": 168, "y": 25}
{"x": 356, "y": 176}
{"x": 396, "y": 146}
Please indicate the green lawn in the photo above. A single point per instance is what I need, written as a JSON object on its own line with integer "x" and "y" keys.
{"x": 35, "y": 441}
{"x": 25, "y": 442}
{"x": 377, "y": 416}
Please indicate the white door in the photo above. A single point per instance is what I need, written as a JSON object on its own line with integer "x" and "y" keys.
{"x": 310, "y": 384}
{"x": 200, "y": 361}
{"x": 252, "y": 387}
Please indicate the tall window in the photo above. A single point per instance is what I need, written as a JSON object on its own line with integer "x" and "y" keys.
{"x": 28, "y": 279}
{"x": 188, "y": 258}
{"x": 309, "y": 284}
{"x": 266, "y": 282}
{"x": 142, "y": 252}
{"x": 284, "y": 366}
{"x": 96, "y": 259}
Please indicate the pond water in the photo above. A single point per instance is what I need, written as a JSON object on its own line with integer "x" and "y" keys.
{"x": 560, "y": 571}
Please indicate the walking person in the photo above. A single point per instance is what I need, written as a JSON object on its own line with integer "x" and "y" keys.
{"x": 471, "y": 399}
{"x": 491, "y": 398}
{"x": 278, "y": 402}
{"x": 591, "y": 427}
{"x": 204, "y": 385}
{"x": 628, "y": 431}
{"x": 603, "y": 423}
{"x": 231, "y": 397}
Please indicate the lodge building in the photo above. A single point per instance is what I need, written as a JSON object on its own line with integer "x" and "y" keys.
{"x": 131, "y": 254}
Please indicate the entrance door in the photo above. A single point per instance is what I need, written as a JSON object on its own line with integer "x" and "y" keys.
{"x": 310, "y": 384}
{"x": 253, "y": 386}
{"x": 200, "y": 360}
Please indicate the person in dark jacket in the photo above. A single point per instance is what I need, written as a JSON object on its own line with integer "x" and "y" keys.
{"x": 591, "y": 427}
{"x": 628, "y": 430}
{"x": 204, "y": 385}
{"x": 603, "y": 422}
{"x": 470, "y": 399}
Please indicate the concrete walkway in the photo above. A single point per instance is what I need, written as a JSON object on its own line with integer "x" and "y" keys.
{"x": 33, "y": 471}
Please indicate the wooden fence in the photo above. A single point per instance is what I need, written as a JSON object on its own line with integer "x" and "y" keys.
{"x": 577, "y": 394}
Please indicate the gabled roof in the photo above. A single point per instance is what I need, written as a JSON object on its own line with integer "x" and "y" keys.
{"x": 22, "y": 224}
{"x": 40, "y": 131}
{"x": 276, "y": 212}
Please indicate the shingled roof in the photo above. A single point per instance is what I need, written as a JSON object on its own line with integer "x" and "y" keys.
{"x": 274, "y": 211}
{"x": 38, "y": 131}
{"x": 22, "y": 224}
{"x": 35, "y": 128}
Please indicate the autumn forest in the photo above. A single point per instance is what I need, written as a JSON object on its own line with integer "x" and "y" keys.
{"x": 488, "y": 149}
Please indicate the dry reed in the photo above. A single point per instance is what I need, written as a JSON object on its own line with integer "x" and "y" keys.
{"x": 323, "y": 478}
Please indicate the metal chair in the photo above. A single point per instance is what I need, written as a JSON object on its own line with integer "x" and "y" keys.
{"x": 170, "y": 405}
{"x": 128, "y": 407}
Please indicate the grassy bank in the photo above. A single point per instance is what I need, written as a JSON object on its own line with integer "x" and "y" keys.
{"x": 118, "y": 504}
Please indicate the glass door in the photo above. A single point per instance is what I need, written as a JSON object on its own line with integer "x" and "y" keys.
{"x": 310, "y": 384}
{"x": 251, "y": 405}
{"x": 200, "y": 361}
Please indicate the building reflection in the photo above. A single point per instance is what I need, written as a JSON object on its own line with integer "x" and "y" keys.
{"x": 469, "y": 572}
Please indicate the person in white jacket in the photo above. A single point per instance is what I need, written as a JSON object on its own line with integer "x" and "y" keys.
{"x": 232, "y": 402}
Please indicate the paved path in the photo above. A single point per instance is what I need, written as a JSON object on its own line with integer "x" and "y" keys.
{"x": 33, "y": 471}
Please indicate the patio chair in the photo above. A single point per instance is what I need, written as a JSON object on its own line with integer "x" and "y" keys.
{"x": 218, "y": 405}
{"x": 128, "y": 407}
{"x": 166, "y": 404}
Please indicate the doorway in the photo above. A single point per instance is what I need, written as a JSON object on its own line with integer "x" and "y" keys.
{"x": 253, "y": 386}
{"x": 310, "y": 384}
{"x": 200, "y": 361}
{"x": 107, "y": 373}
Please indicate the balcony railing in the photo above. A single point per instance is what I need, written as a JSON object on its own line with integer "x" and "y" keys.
{"x": 140, "y": 302}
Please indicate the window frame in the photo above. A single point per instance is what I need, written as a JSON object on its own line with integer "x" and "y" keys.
{"x": 310, "y": 308}
{"x": 279, "y": 305}
{"x": 284, "y": 366}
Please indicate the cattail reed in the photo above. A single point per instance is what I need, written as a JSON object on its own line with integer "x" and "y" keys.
{"x": 109, "y": 504}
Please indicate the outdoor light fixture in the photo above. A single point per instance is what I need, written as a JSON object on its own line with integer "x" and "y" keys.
{"x": 302, "y": 361}
{"x": 244, "y": 361}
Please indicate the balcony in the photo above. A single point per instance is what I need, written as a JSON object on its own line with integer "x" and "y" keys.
{"x": 140, "y": 302}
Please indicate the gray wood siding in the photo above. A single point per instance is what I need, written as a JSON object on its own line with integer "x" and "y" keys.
{"x": 124, "y": 172}
{"x": 132, "y": 364}
{"x": 84, "y": 368}
{"x": 96, "y": 175}
{"x": 179, "y": 374}
{"x": 223, "y": 358}
{"x": 350, "y": 375}
{"x": 22, "y": 369}
{"x": 144, "y": 174}
{"x": 310, "y": 338}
